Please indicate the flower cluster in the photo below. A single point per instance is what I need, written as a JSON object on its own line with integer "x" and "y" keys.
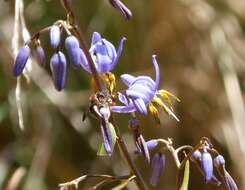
{"x": 141, "y": 95}
{"x": 203, "y": 159}
{"x": 103, "y": 53}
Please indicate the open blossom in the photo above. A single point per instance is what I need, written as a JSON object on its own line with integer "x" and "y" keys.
{"x": 143, "y": 93}
{"x": 103, "y": 53}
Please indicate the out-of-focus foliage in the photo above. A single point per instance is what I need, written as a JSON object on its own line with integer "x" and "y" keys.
{"x": 201, "y": 52}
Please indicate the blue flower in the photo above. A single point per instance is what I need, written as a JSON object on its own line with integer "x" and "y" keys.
{"x": 143, "y": 93}
{"x": 103, "y": 53}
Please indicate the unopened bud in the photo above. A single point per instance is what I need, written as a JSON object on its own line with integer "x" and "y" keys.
{"x": 21, "y": 60}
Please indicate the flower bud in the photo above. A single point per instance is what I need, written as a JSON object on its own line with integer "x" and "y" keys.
{"x": 58, "y": 67}
{"x": 151, "y": 144}
{"x": 41, "y": 58}
{"x": 133, "y": 123}
{"x": 207, "y": 166}
{"x": 73, "y": 50}
{"x": 157, "y": 167}
{"x": 55, "y": 34}
{"x": 21, "y": 60}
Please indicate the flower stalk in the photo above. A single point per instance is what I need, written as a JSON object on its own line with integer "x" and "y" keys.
{"x": 102, "y": 87}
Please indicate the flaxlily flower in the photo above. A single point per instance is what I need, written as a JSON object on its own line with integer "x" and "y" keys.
{"x": 143, "y": 94}
{"x": 103, "y": 53}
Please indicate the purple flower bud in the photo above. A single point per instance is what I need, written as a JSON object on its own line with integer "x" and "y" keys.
{"x": 122, "y": 8}
{"x": 133, "y": 123}
{"x": 73, "y": 50}
{"x": 151, "y": 144}
{"x": 55, "y": 34}
{"x": 41, "y": 58}
{"x": 157, "y": 167}
{"x": 197, "y": 155}
{"x": 21, "y": 60}
{"x": 207, "y": 166}
{"x": 58, "y": 67}
{"x": 219, "y": 161}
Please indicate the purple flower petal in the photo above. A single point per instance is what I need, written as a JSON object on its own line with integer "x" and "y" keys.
{"x": 207, "y": 166}
{"x": 119, "y": 52}
{"x": 140, "y": 106}
{"x": 55, "y": 34}
{"x": 134, "y": 94}
{"x": 84, "y": 61}
{"x": 121, "y": 8}
{"x": 127, "y": 79}
{"x": 157, "y": 70}
{"x": 143, "y": 90}
{"x": 145, "y": 80}
{"x": 58, "y": 67}
{"x": 122, "y": 98}
{"x": 157, "y": 167}
{"x": 20, "y": 61}
{"x": 123, "y": 109}
{"x": 95, "y": 38}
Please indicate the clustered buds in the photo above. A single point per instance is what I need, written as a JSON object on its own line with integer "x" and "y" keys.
{"x": 205, "y": 162}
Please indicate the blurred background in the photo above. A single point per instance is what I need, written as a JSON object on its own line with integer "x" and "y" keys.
{"x": 200, "y": 46}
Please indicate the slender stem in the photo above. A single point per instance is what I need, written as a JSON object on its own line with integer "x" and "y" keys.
{"x": 102, "y": 87}
{"x": 80, "y": 36}
{"x": 76, "y": 181}
{"x": 122, "y": 146}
